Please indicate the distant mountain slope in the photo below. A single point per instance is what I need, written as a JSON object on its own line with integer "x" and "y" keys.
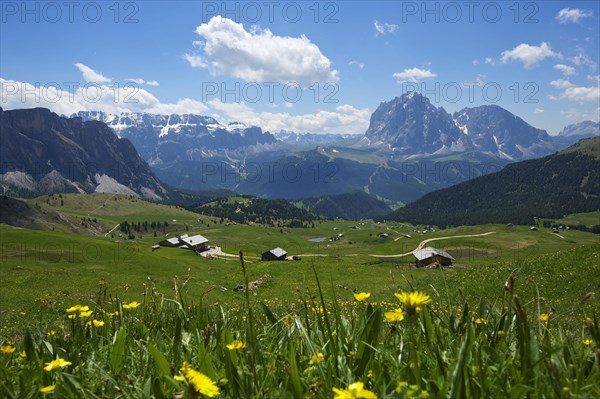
{"x": 562, "y": 183}
{"x": 581, "y": 129}
{"x": 353, "y": 205}
{"x": 44, "y": 153}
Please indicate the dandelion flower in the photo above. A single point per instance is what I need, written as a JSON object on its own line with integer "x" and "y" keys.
{"x": 316, "y": 359}
{"x": 394, "y": 316}
{"x": 201, "y": 383}
{"x": 355, "y": 390}
{"x": 544, "y": 317}
{"x": 587, "y": 341}
{"x": 362, "y": 296}
{"x": 413, "y": 301}
{"x": 98, "y": 323}
{"x": 78, "y": 308}
{"x": 57, "y": 364}
{"x": 236, "y": 345}
{"x": 48, "y": 389}
{"x": 131, "y": 305}
{"x": 7, "y": 349}
{"x": 87, "y": 313}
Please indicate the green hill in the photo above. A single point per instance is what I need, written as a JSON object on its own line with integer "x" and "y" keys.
{"x": 353, "y": 205}
{"x": 550, "y": 187}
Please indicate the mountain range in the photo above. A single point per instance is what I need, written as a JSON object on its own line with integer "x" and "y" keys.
{"x": 410, "y": 149}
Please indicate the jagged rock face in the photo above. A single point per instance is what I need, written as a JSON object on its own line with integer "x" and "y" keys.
{"x": 493, "y": 129}
{"x": 581, "y": 129}
{"x": 411, "y": 125}
{"x": 44, "y": 153}
{"x": 164, "y": 139}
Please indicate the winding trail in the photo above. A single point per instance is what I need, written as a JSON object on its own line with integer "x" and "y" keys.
{"x": 424, "y": 242}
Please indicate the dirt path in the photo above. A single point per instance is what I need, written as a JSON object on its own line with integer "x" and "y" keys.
{"x": 424, "y": 242}
{"x": 111, "y": 230}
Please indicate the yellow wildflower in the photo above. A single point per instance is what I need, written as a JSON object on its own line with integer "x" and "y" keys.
{"x": 7, "y": 349}
{"x": 51, "y": 333}
{"x": 235, "y": 345}
{"x": 355, "y": 390}
{"x": 587, "y": 341}
{"x": 78, "y": 308}
{"x": 394, "y": 316}
{"x": 22, "y": 355}
{"x": 87, "y": 313}
{"x": 179, "y": 378}
{"x": 201, "y": 383}
{"x": 544, "y": 317}
{"x": 98, "y": 323}
{"x": 413, "y": 301}
{"x": 111, "y": 314}
{"x": 479, "y": 321}
{"x": 57, "y": 364}
{"x": 48, "y": 389}
{"x": 316, "y": 359}
{"x": 362, "y": 296}
{"x": 131, "y": 305}
{"x": 72, "y": 316}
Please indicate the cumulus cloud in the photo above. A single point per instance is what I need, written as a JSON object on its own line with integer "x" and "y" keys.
{"x": 575, "y": 93}
{"x": 529, "y": 55}
{"x": 384, "y": 28}
{"x": 573, "y": 15}
{"x": 413, "y": 75}
{"x": 345, "y": 118}
{"x": 565, "y": 69}
{"x": 91, "y": 76}
{"x": 67, "y": 100}
{"x": 259, "y": 55}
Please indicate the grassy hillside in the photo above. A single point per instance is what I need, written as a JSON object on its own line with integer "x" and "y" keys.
{"x": 551, "y": 187}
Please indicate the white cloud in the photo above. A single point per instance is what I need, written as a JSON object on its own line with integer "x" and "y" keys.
{"x": 581, "y": 115}
{"x": 575, "y": 93}
{"x": 141, "y": 81}
{"x": 384, "y": 28}
{"x": 538, "y": 111}
{"x": 195, "y": 61}
{"x": 345, "y": 118}
{"x": 529, "y": 55}
{"x": 413, "y": 75}
{"x": 490, "y": 61}
{"x": 91, "y": 76}
{"x": 91, "y": 97}
{"x": 582, "y": 59}
{"x": 259, "y": 55}
{"x": 358, "y": 64}
{"x": 561, "y": 84}
{"x": 565, "y": 69}
{"x": 573, "y": 15}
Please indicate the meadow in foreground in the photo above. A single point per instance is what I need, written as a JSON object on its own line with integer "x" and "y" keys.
{"x": 415, "y": 344}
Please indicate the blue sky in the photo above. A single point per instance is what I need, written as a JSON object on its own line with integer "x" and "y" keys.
{"x": 302, "y": 66}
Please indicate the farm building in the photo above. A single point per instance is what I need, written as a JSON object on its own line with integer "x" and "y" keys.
{"x": 428, "y": 255}
{"x": 274, "y": 254}
{"x": 196, "y": 243}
